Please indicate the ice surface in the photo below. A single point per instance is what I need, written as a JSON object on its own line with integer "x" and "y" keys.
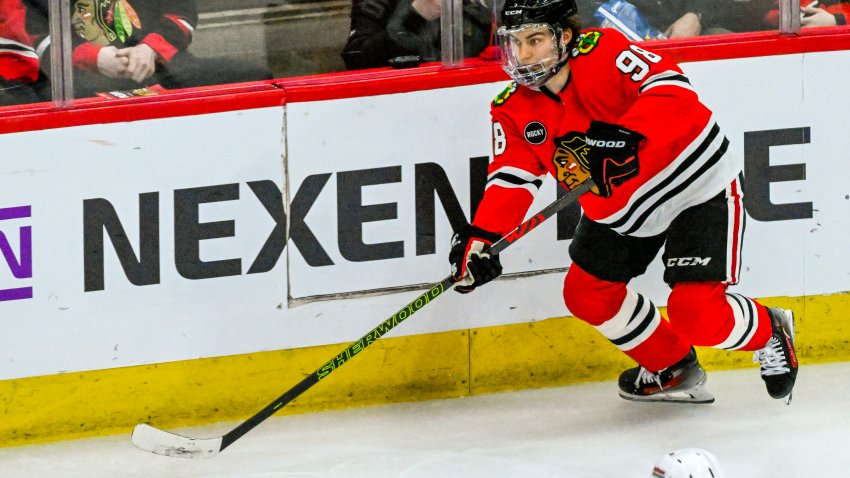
{"x": 581, "y": 431}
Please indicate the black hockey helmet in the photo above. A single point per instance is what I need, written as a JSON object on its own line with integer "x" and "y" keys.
{"x": 521, "y": 15}
{"x": 552, "y": 12}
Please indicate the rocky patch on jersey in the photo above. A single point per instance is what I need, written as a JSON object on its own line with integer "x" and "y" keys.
{"x": 586, "y": 42}
{"x": 505, "y": 94}
{"x": 535, "y": 132}
{"x": 571, "y": 159}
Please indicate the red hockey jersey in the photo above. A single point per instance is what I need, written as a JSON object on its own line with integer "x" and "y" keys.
{"x": 18, "y": 60}
{"x": 683, "y": 161}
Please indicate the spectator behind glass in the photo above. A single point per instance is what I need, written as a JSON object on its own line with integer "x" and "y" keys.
{"x": 18, "y": 61}
{"x": 827, "y": 13}
{"x": 382, "y": 30}
{"x": 122, "y": 45}
{"x": 758, "y": 15}
{"x": 674, "y": 18}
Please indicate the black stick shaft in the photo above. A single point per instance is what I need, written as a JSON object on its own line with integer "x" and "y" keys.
{"x": 338, "y": 361}
{"x": 544, "y": 214}
{"x": 435, "y": 291}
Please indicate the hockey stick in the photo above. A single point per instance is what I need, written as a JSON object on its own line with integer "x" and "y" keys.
{"x": 166, "y": 443}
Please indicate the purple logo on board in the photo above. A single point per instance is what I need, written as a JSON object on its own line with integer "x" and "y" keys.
{"x": 20, "y": 261}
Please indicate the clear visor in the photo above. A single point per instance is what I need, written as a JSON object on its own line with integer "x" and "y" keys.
{"x": 531, "y": 53}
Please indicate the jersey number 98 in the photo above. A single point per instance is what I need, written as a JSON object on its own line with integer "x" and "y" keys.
{"x": 630, "y": 63}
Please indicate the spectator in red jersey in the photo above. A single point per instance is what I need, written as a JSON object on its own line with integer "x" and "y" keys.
{"x": 18, "y": 61}
{"x": 124, "y": 45}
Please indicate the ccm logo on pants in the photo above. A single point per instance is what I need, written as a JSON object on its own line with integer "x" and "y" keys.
{"x": 687, "y": 261}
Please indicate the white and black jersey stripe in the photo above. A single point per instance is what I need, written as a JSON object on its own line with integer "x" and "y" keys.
{"x": 636, "y": 320}
{"x": 188, "y": 26}
{"x": 666, "y": 78}
{"x": 511, "y": 177}
{"x": 42, "y": 47}
{"x": 692, "y": 178}
{"x": 16, "y": 48}
{"x": 746, "y": 322}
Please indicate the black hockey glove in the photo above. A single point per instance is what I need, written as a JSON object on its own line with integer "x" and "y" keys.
{"x": 612, "y": 156}
{"x": 472, "y": 263}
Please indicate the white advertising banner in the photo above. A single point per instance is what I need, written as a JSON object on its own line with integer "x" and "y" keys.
{"x": 778, "y": 112}
{"x": 166, "y": 239}
{"x": 129, "y": 243}
{"x": 378, "y": 221}
{"x": 783, "y": 115}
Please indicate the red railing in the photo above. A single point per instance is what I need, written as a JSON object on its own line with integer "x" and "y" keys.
{"x": 381, "y": 81}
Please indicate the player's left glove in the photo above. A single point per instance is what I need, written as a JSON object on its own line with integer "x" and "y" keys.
{"x": 612, "y": 156}
{"x": 472, "y": 263}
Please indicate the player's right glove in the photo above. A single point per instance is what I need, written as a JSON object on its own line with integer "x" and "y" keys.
{"x": 612, "y": 156}
{"x": 472, "y": 263}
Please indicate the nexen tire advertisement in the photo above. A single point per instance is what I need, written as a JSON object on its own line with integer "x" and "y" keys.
{"x": 286, "y": 227}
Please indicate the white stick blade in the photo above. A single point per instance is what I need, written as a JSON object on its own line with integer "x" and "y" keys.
{"x": 165, "y": 443}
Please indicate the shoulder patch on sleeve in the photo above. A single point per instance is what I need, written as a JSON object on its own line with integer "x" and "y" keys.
{"x": 586, "y": 42}
{"x": 500, "y": 99}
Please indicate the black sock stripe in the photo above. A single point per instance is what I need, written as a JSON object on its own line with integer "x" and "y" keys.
{"x": 750, "y": 315}
{"x": 635, "y": 312}
{"x": 645, "y": 323}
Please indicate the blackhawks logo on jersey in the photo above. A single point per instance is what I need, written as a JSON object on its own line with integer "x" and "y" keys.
{"x": 571, "y": 159}
{"x": 586, "y": 42}
{"x": 505, "y": 94}
{"x": 104, "y": 21}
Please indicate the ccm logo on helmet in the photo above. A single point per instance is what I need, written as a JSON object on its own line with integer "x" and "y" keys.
{"x": 598, "y": 143}
{"x": 535, "y": 132}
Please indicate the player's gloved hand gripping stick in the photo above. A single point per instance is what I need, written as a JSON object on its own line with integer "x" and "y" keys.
{"x": 473, "y": 262}
{"x": 611, "y": 160}
{"x": 165, "y": 443}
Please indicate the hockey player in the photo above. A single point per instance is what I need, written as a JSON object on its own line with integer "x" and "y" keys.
{"x": 663, "y": 176}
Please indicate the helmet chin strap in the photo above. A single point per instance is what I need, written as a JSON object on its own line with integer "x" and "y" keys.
{"x": 555, "y": 70}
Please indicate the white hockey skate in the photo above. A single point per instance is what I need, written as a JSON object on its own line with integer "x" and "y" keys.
{"x": 682, "y": 382}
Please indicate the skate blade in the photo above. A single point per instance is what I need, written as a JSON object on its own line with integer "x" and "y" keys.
{"x": 790, "y": 315}
{"x": 697, "y": 394}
